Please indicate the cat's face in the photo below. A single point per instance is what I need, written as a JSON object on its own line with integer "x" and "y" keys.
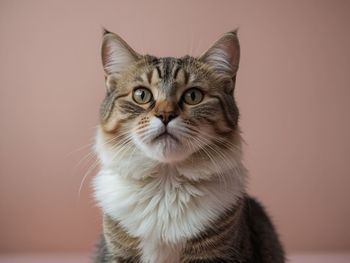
{"x": 168, "y": 108}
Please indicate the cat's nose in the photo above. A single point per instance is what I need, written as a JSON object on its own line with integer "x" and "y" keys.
{"x": 166, "y": 117}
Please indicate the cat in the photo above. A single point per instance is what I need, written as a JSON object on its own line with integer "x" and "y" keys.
{"x": 171, "y": 184}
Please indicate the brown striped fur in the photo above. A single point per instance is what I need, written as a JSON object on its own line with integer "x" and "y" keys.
{"x": 243, "y": 233}
{"x": 177, "y": 75}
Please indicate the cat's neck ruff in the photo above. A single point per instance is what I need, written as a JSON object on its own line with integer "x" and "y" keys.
{"x": 162, "y": 203}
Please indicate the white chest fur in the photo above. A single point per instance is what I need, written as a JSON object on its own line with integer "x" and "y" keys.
{"x": 165, "y": 209}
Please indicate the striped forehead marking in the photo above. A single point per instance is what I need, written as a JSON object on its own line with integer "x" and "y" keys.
{"x": 167, "y": 73}
{"x": 169, "y": 69}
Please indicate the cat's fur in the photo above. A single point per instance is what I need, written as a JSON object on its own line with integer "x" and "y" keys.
{"x": 172, "y": 184}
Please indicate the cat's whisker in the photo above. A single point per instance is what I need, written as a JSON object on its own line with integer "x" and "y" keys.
{"x": 121, "y": 144}
{"x": 82, "y": 147}
{"x": 87, "y": 173}
{"x": 131, "y": 155}
{"x": 88, "y": 157}
{"x": 124, "y": 147}
{"x": 220, "y": 153}
{"x": 109, "y": 141}
{"x": 218, "y": 171}
{"x": 195, "y": 139}
{"x": 208, "y": 144}
{"x": 146, "y": 132}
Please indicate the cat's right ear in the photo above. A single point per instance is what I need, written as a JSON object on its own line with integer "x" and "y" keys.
{"x": 117, "y": 55}
{"x": 223, "y": 55}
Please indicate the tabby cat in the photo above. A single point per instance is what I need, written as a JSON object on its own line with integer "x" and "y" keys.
{"x": 172, "y": 184}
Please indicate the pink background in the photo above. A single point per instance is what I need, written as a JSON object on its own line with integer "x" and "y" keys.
{"x": 293, "y": 90}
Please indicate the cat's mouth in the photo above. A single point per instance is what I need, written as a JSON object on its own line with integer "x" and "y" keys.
{"x": 164, "y": 136}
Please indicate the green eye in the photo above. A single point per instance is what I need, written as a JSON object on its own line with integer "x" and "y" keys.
{"x": 142, "y": 95}
{"x": 193, "y": 96}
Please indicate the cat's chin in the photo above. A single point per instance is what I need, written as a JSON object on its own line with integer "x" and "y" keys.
{"x": 166, "y": 149}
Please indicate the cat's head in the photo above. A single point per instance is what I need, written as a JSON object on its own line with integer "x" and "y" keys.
{"x": 168, "y": 108}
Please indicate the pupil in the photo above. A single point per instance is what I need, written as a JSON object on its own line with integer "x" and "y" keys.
{"x": 142, "y": 95}
{"x": 193, "y": 95}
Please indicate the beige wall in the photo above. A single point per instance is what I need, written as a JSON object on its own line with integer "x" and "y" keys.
{"x": 293, "y": 91}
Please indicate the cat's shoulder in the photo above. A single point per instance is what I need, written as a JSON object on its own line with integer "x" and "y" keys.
{"x": 263, "y": 235}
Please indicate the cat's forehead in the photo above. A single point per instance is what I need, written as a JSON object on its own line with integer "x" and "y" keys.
{"x": 167, "y": 73}
{"x": 169, "y": 68}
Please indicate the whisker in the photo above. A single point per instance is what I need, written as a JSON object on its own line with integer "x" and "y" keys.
{"x": 91, "y": 168}
{"x": 92, "y": 154}
{"x": 230, "y": 163}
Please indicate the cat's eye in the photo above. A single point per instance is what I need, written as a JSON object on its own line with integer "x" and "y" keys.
{"x": 193, "y": 96}
{"x": 142, "y": 95}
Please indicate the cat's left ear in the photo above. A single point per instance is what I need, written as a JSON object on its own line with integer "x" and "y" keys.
{"x": 223, "y": 56}
{"x": 117, "y": 55}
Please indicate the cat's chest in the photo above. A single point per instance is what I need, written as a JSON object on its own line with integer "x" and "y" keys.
{"x": 164, "y": 211}
{"x": 164, "y": 207}
{"x": 123, "y": 246}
